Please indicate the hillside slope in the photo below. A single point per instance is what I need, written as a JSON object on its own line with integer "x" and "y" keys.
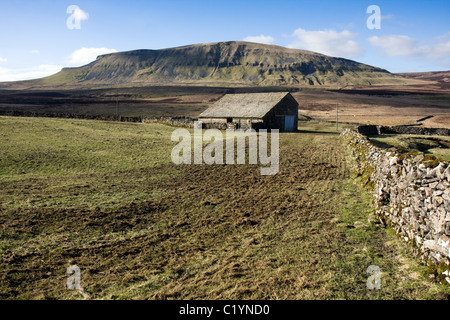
{"x": 237, "y": 63}
{"x": 437, "y": 79}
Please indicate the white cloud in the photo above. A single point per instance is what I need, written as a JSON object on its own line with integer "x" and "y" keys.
{"x": 395, "y": 45}
{"x": 260, "y": 39}
{"x": 41, "y": 71}
{"x": 404, "y": 46}
{"x": 79, "y": 57}
{"x": 3, "y": 60}
{"x": 441, "y": 48}
{"x": 34, "y": 51}
{"x": 86, "y": 55}
{"x": 329, "y": 42}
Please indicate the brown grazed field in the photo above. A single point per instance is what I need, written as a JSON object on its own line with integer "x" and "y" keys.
{"x": 381, "y": 105}
{"x": 377, "y": 107}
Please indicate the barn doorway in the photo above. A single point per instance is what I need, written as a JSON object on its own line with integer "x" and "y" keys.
{"x": 289, "y": 123}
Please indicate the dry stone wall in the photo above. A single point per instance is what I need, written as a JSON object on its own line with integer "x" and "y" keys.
{"x": 369, "y": 130}
{"x": 411, "y": 193}
{"x": 172, "y": 121}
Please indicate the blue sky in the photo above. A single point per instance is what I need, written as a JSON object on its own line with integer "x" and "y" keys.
{"x": 35, "y": 39}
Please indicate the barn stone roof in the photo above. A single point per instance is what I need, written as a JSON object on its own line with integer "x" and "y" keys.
{"x": 244, "y": 105}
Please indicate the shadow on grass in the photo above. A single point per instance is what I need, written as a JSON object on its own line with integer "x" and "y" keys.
{"x": 381, "y": 144}
{"x": 321, "y": 132}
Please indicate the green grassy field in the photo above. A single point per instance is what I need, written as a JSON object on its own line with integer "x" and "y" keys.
{"x": 438, "y": 146}
{"x": 106, "y": 197}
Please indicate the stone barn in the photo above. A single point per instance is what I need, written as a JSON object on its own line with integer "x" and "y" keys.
{"x": 272, "y": 110}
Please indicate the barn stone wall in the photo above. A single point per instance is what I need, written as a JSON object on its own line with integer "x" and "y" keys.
{"x": 411, "y": 194}
{"x": 218, "y": 123}
{"x": 213, "y": 120}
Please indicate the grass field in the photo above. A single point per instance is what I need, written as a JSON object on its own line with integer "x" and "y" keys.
{"x": 106, "y": 197}
{"x": 438, "y": 146}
